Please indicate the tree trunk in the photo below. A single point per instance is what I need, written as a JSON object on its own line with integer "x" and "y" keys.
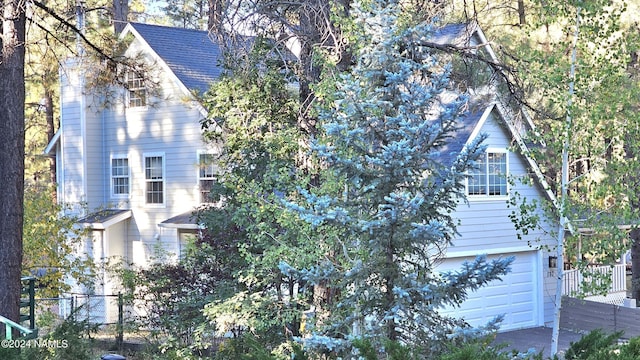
{"x": 313, "y": 18}
{"x": 48, "y": 105}
{"x": 12, "y": 97}
{"x": 521, "y": 13}
{"x": 120, "y": 15}
{"x": 555, "y": 334}
{"x": 634, "y": 235}
{"x": 217, "y": 9}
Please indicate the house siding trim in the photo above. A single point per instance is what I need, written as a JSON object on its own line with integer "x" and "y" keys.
{"x": 503, "y": 250}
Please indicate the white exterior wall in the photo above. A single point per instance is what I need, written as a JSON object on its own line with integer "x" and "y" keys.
{"x": 92, "y": 135}
{"x": 72, "y": 182}
{"x": 485, "y": 226}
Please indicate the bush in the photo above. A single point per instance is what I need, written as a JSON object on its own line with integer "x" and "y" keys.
{"x": 249, "y": 347}
{"x": 481, "y": 350}
{"x": 594, "y": 345}
{"x": 598, "y": 345}
{"x": 65, "y": 342}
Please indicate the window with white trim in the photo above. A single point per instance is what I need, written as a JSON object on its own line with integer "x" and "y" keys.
{"x": 154, "y": 179}
{"x": 206, "y": 175}
{"x": 490, "y": 178}
{"x": 136, "y": 89}
{"x": 120, "y": 176}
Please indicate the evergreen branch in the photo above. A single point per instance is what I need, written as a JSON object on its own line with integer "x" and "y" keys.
{"x": 77, "y": 31}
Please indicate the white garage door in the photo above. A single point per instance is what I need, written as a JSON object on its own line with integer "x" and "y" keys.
{"x": 515, "y": 297}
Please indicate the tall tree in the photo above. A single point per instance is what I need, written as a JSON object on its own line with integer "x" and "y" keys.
{"x": 253, "y": 120}
{"x": 12, "y": 95}
{"x": 389, "y": 194}
{"x": 189, "y": 14}
{"x": 120, "y": 9}
{"x": 311, "y": 28}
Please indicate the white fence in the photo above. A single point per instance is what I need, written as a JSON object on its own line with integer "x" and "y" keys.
{"x": 597, "y": 277}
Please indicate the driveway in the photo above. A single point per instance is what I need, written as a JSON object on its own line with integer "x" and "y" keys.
{"x": 538, "y": 338}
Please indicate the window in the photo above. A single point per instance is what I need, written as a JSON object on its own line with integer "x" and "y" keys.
{"x": 120, "y": 177}
{"x": 154, "y": 178}
{"x": 206, "y": 175}
{"x": 137, "y": 92}
{"x": 490, "y": 178}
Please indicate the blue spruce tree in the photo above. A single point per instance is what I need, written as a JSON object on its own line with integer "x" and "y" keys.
{"x": 389, "y": 189}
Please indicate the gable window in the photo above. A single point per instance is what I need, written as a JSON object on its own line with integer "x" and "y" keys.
{"x": 120, "y": 177}
{"x": 154, "y": 179}
{"x": 490, "y": 178}
{"x": 136, "y": 90}
{"x": 206, "y": 175}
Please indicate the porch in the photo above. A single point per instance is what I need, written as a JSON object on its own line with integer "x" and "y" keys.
{"x": 612, "y": 278}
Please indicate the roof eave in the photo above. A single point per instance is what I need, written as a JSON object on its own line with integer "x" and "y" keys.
{"x": 51, "y": 146}
{"x": 103, "y": 225}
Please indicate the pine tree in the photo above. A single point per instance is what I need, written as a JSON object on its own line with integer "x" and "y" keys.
{"x": 390, "y": 194}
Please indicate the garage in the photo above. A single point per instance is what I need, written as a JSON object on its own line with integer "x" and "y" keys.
{"x": 515, "y": 297}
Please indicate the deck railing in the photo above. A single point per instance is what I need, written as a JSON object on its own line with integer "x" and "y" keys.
{"x": 573, "y": 279}
{"x": 10, "y": 326}
{"x": 27, "y": 313}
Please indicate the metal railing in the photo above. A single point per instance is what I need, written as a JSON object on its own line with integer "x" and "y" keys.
{"x": 10, "y": 326}
{"x": 27, "y": 300}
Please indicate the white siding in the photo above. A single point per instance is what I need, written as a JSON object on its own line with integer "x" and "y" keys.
{"x": 173, "y": 128}
{"x": 72, "y": 140}
{"x": 94, "y": 159}
{"x": 92, "y": 134}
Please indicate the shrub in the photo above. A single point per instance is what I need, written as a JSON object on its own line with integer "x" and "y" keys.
{"x": 595, "y": 345}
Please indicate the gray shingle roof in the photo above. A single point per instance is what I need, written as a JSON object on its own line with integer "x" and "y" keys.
{"x": 452, "y": 34}
{"x": 185, "y": 220}
{"x": 466, "y": 124}
{"x": 191, "y": 55}
{"x": 101, "y": 216}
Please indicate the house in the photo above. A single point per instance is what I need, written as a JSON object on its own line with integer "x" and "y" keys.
{"x": 526, "y": 295}
{"x": 134, "y": 169}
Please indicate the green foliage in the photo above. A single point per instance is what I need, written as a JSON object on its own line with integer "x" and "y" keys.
{"x": 70, "y": 342}
{"x": 595, "y": 345}
{"x": 253, "y": 120}
{"x": 250, "y": 347}
{"x": 175, "y": 294}
{"x": 598, "y": 345}
{"x": 189, "y": 14}
{"x": 49, "y": 239}
{"x": 392, "y": 350}
{"x": 481, "y": 351}
{"x": 10, "y": 353}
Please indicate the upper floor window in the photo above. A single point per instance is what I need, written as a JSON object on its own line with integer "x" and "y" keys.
{"x": 206, "y": 176}
{"x": 120, "y": 177}
{"x": 136, "y": 89}
{"x": 490, "y": 178}
{"x": 154, "y": 179}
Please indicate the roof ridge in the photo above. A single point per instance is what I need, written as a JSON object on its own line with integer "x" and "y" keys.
{"x": 175, "y": 28}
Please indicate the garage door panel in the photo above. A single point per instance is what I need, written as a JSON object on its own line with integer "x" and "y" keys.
{"x": 514, "y": 297}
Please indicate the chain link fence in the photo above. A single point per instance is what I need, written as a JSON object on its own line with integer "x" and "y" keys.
{"x": 96, "y": 311}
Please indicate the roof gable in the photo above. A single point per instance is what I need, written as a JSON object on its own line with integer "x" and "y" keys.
{"x": 190, "y": 54}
